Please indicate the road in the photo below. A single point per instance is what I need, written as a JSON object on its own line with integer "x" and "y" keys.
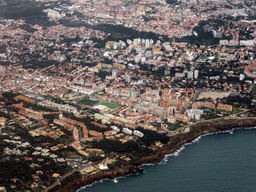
{"x": 250, "y": 88}
{"x": 182, "y": 129}
{"x": 192, "y": 101}
{"x": 59, "y": 181}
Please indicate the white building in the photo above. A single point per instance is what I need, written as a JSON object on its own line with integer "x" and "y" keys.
{"x": 127, "y": 131}
{"x": 196, "y": 73}
{"x": 115, "y": 128}
{"x": 138, "y": 133}
{"x": 114, "y": 73}
{"x": 195, "y": 113}
{"x": 127, "y": 78}
{"x": 241, "y": 77}
{"x": 190, "y": 74}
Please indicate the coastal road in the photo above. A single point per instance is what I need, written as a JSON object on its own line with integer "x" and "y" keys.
{"x": 250, "y": 88}
{"x": 182, "y": 129}
{"x": 58, "y": 181}
{"x": 192, "y": 101}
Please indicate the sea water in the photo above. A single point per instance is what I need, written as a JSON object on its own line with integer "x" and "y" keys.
{"x": 216, "y": 162}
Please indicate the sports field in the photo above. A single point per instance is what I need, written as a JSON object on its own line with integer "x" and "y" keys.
{"x": 109, "y": 105}
{"x": 88, "y": 102}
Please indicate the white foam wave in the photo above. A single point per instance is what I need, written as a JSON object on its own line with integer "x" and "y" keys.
{"x": 176, "y": 153}
{"x": 115, "y": 180}
{"x": 148, "y": 164}
{"x": 250, "y": 128}
{"x": 197, "y": 139}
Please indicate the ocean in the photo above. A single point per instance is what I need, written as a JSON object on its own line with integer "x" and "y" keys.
{"x": 217, "y": 162}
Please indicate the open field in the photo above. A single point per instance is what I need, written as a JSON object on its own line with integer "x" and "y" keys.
{"x": 88, "y": 102}
{"x": 213, "y": 94}
{"x": 109, "y": 105}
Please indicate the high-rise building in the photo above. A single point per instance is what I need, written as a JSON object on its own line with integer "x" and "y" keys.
{"x": 114, "y": 73}
{"x": 190, "y": 74}
{"x": 196, "y": 74}
{"x": 139, "y": 41}
{"x": 134, "y": 93}
{"x": 127, "y": 78}
{"x": 135, "y": 42}
{"x": 241, "y": 77}
{"x": 148, "y": 54}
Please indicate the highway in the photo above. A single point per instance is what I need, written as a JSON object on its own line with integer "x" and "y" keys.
{"x": 182, "y": 129}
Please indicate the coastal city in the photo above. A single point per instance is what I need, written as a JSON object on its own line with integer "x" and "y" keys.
{"x": 91, "y": 89}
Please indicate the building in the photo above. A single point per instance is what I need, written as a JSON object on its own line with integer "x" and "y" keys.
{"x": 241, "y": 77}
{"x": 127, "y": 78}
{"x": 85, "y": 131}
{"x": 190, "y": 74}
{"x": 95, "y": 133}
{"x": 196, "y": 74}
{"x": 138, "y": 133}
{"x": 134, "y": 93}
{"x": 110, "y": 45}
{"x": 135, "y": 42}
{"x": 194, "y": 113}
{"x": 179, "y": 75}
{"x": 224, "y": 107}
{"x": 127, "y": 131}
{"x": 183, "y": 118}
{"x": 171, "y": 119}
{"x": 114, "y": 73}
{"x": 250, "y": 71}
{"x": 111, "y": 132}
{"x": 70, "y": 121}
{"x": 115, "y": 128}
{"x": 200, "y": 104}
{"x": 75, "y": 134}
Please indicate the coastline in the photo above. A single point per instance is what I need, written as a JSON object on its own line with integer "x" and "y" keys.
{"x": 176, "y": 144}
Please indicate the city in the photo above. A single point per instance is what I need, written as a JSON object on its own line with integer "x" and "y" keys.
{"x": 79, "y": 101}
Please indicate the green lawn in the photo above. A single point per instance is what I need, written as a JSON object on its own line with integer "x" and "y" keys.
{"x": 110, "y": 105}
{"x": 88, "y": 102}
{"x": 253, "y": 91}
{"x": 173, "y": 127}
{"x": 237, "y": 110}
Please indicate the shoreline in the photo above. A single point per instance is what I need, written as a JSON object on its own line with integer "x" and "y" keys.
{"x": 176, "y": 144}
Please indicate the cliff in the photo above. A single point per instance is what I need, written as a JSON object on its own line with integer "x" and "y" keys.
{"x": 175, "y": 143}
{"x": 74, "y": 185}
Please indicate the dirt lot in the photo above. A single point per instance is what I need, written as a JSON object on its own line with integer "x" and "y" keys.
{"x": 213, "y": 94}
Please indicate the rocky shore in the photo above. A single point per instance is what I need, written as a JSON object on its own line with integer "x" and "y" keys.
{"x": 175, "y": 143}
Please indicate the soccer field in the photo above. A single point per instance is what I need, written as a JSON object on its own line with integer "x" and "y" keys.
{"x": 88, "y": 102}
{"x": 110, "y": 105}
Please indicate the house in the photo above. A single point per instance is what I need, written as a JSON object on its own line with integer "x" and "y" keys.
{"x": 111, "y": 132}
{"x": 224, "y": 107}
{"x": 95, "y": 133}
{"x": 34, "y": 185}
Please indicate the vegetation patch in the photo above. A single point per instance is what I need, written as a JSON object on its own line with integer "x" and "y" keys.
{"x": 88, "y": 102}
{"x": 110, "y": 105}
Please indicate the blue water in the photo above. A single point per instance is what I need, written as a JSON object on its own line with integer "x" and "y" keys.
{"x": 218, "y": 162}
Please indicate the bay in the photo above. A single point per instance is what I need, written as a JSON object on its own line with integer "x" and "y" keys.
{"x": 217, "y": 162}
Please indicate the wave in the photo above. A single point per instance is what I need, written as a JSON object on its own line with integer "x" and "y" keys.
{"x": 147, "y": 164}
{"x": 115, "y": 180}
